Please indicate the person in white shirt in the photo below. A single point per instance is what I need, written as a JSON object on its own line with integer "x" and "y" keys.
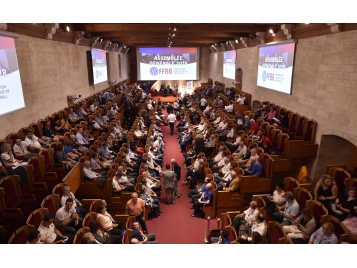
{"x": 229, "y": 108}
{"x": 217, "y": 121}
{"x": 93, "y": 107}
{"x": 20, "y": 150}
{"x": 88, "y": 172}
{"x": 234, "y": 146}
{"x": 217, "y": 158}
{"x": 239, "y": 100}
{"x": 76, "y": 203}
{"x": 203, "y": 104}
{"x": 242, "y": 150}
{"x": 230, "y": 132}
{"x": 171, "y": 118}
{"x": 176, "y": 105}
{"x": 67, "y": 218}
{"x": 149, "y": 105}
{"x": 34, "y": 143}
{"x": 80, "y": 139}
{"x": 50, "y": 234}
{"x": 216, "y": 167}
{"x": 226, "y": 168}
{"x": 246, "y": 217}
{"x": 257, "y": 225}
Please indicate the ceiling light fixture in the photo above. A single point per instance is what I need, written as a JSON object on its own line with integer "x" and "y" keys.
{"x": 273, "y": 31}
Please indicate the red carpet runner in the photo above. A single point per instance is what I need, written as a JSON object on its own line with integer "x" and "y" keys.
{"x": 175, "y": 225}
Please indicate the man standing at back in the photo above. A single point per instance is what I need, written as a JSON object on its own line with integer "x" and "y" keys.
{"x": 177, "y": 169}
{"x": 136, "y": 207}
{"x": 171, "y": 118}
{"x": 169, "y": 184}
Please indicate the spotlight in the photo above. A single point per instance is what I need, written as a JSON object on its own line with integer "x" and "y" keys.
{"x": 65, "y": 28}
{"x": 173, "y": 34}
{"x": 175, "y": 29}
{"x": 273, "y": 31}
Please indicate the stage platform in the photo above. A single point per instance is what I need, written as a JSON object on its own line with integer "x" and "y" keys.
{"x": 165, "y": 99}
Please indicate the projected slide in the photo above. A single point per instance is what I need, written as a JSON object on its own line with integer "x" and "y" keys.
{"x": 275, "y": 67}
{"x": 229, "y": 64}
{"x": 11, "y": 95}
{"x": 167, "y": 63}
{"x": 99, "y": 61}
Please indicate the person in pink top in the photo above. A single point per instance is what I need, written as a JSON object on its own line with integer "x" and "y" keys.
{"x": 269, "y": 116}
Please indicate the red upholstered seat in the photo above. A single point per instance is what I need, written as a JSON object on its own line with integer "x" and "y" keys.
{"x": 21, "y": 234}
{"x": 88, "y": 219}
{"x": 275, "y": 232}
{"x": 318, "y": 210}
{"x": 339, "y": 176}
{"x": 39, "y": 173}
{"x": 14, "y": 198}
{"x": 51, "y": 166}
{"x": 36, "y": 217}
{"x": 51, "y": 202}
{"x": 94, "y": 205}
{"x": 290, "y": 184}
{"x": 302, "y": 195}
{"x": 79, "y": 236}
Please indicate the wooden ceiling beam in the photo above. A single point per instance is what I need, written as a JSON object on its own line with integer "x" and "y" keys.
{"x": 223, "y": 35}
{"x": 183, "y": 27}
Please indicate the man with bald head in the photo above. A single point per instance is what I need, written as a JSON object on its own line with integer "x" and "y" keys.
{"x": 136, "y": 207}
{"x": 246, "y": 217}
{"x": 206, "y": 198}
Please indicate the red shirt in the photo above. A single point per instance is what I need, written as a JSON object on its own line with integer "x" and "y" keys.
{"x": 267, "y": 142}
{"x": 254, "y": 129}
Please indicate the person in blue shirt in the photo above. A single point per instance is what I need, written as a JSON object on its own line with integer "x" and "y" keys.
{"x": 223, "y": 238}
{"x": 257, "y": 168}
{"x": 206, "y": 198}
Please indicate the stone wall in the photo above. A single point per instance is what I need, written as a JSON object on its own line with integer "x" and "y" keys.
{"x": 50, "y": 71}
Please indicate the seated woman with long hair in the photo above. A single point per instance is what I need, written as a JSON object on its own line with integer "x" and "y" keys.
{"x": 8, "y": 158}
{"x": 326, "y": 192}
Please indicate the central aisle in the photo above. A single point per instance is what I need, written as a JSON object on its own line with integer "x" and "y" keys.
{"x": 175, "y": 225}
